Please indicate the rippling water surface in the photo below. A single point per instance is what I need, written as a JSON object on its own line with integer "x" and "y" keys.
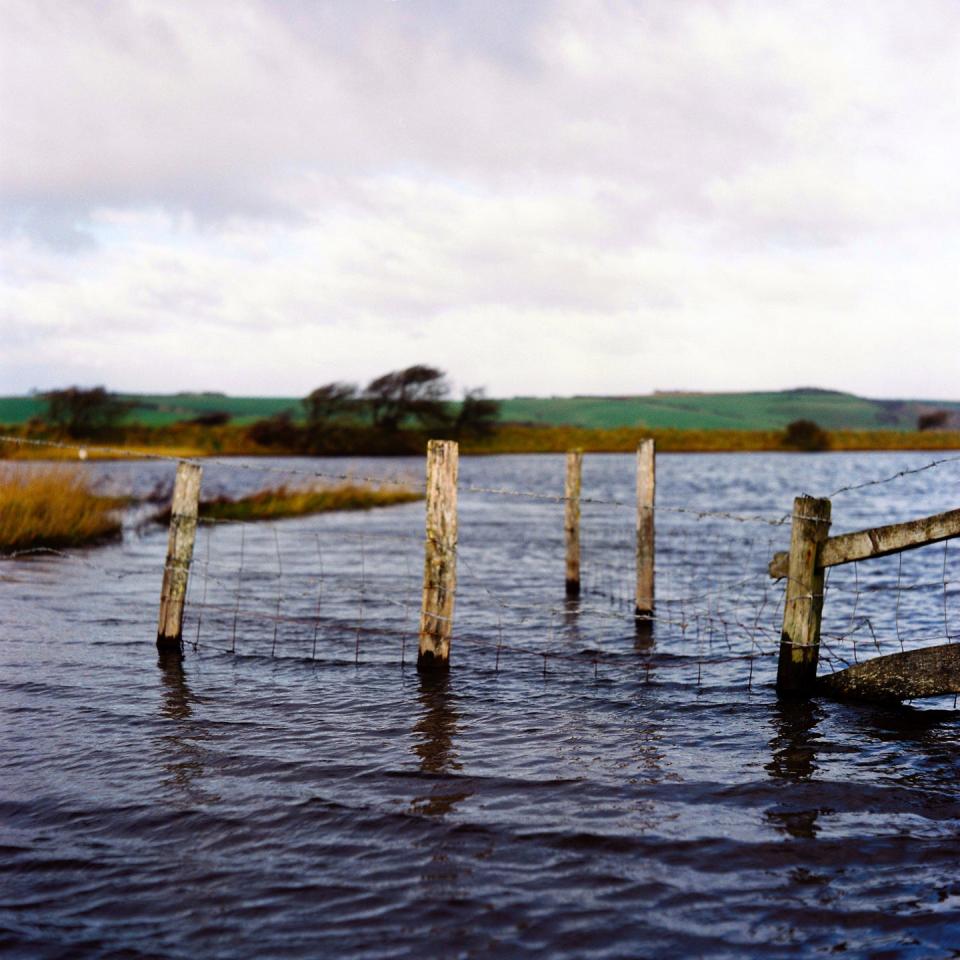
{"x": 294, "y": 789}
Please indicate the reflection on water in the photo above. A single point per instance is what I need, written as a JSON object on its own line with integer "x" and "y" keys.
{"x": 643, "y": 640}
{"x": 435, "y": 731}
{"x": 181, "y": 756}
{"x": 793, "y": 759}
{"x": 571, "y": 619}
{"x": 442, "y": 874}
{"x": 313, "y": 805}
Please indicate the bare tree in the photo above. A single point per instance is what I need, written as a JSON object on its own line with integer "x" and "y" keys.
{"x": 332, "y": 401}
{"x": 418, "y": 392}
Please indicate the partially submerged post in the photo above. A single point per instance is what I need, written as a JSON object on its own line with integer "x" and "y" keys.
{"x": 912, "y": 674}
{"x": 440, "y": 556}
{"x": 803, "y": 605}
{"x": 646, "y": 496}
{"x": 571, "y": 521}
{"x": 183, "y": 529}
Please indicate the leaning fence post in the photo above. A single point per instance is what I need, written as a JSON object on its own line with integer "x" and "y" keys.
{"x": 440, "y": 556}
{"x": 571, "y": 520}
{"x": 183, "y": 528}
{"x": 646, "y": 496}
{"x": 803, "y": 605}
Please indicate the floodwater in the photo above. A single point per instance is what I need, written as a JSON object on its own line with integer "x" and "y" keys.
{"x": 293, "y": 788}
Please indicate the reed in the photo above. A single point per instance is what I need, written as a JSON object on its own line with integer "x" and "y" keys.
{"x": 280, "y": 502}
{"x": 52, "y": 507}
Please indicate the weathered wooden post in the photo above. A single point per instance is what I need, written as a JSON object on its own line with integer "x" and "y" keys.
{"x": 571, "y": 520}
{"x": 440, "y": 556}
{"x": 183, "y": 528}
{"x": 646, "y": 496}
{"x": 803, "y": 605}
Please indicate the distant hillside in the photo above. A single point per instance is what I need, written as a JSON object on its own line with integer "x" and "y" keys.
{"x": 158, "y": 410}
{"x": 731, "y": 411}
{"x": 681, "y": 410}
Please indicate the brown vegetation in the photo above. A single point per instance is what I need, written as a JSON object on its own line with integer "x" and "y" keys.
{"x": 280, "y": 502}
{"x": 52, "y": 507}
{"x": 282, "y": 438}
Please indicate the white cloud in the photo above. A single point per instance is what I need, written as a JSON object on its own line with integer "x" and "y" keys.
{"x": 551, "y": 197}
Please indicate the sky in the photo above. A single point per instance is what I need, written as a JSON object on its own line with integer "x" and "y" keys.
{"x": 544, "y": 197}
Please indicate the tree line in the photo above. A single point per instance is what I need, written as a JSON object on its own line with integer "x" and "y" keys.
{"x": 387, "y": 415}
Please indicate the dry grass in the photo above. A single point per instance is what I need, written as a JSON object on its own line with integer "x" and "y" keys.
{"x": 280, "y": 502}
{"x": 516, "y": 438}
{"x": 52, "y": 507}
{"x": 197, "y": 441}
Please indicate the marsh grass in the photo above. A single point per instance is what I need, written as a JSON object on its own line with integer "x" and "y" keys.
{"x": 278, "y": 503}
{"x": 192, "y": 440}
{"x": 53, "y": 507}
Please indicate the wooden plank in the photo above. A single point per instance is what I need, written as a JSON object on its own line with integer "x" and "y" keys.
{"x": 879, "y": 541}
{"x": 646, "y": 500}
{"x": 803, "y": 605}
{"x": 882, "y": 541}
{"x": 928, "y": 672}
{"x": 571, "y": 521}
{"x": 440, "y": 556}
{"x": 183, "y": 529}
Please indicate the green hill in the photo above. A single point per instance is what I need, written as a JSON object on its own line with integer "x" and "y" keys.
{"x": 695, "y": 411}
{"x": 731, "y": 411}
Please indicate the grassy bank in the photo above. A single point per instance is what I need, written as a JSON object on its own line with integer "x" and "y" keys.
{"x": 233, "y": 440}
{"x": 52, "y": 508}
{"x": 281, "y": 502}
{"x": 526, "y": 439}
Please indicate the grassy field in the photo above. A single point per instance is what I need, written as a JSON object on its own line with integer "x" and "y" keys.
{"x": 718, "y": 411}
{"x": 681, "y": 411}
{"x": 156, "y": 410}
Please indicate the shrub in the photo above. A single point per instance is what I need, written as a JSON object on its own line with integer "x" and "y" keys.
{"x": 806, "y": 435}
{"x": 935, "y": 420}
{"x": 215, "y": 418}
{"x": 83, "y": 412}
{"x": 276, "y": 431}
{"x": 478, "y": 415}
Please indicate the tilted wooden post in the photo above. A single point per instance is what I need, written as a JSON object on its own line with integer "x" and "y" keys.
{"x": 803, "y": 605}
{"x": 183, "y": 530}
{"x": 571, "y": 520}
{"x": 646, "y": 496}
{"x": 440, "y": 556}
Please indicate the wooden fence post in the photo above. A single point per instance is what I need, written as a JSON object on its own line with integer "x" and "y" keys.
{"x": 646, "y": 496}
{"x": 803, "y": 605}
{"x": 183, "y": 529}
{"x": 440, "y": 556}
{"x": 571, "y": 520}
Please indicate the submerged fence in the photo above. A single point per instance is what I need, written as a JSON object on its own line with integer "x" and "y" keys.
{"x": 370, "y": 595}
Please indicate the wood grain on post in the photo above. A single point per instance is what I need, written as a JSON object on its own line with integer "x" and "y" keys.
{"x": 803, "y": 605}
{"x": 646, "y": 497}
{"x": 571, "y": 521}
{"x": 183, "y": 530}
{"x": 440, "y": 556}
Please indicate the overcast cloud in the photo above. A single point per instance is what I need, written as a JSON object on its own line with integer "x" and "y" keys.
{"x": 546, "y": 196}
